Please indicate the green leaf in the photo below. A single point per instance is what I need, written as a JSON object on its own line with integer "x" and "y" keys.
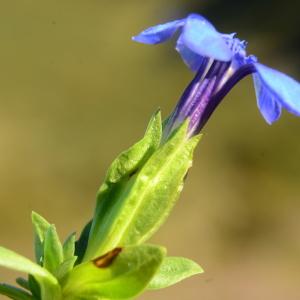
{"x": 130, "y": 160}
{"x": 68, "y": 257}
{"x": 69, "y": 247}
{"x": 173, "y": 270}
{"x": 65, "y": 268}
{"x": 119, "y": 177}
{"x": 53, "y": 250}
{"x": 131, "y": 212}
{"x": 119, "y": 274}
{"x": 17, "y": 262}
{"x": 34, "y": 287}
{"x": 82, "y": 242}
{"x": 22, "y": 282}
{"x": 156, "y": 189}
{"x": 14, "y": 293}
{"x": 40, "y": 227}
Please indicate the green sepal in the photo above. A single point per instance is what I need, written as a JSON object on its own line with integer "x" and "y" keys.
{"x": 133, "y": 158}
{"x": 65, "y": 268}
{"x": 82, "y": 242}
{"x": 173, "y": 270}
{"x": 69, "y": 247}
{"x": 118, "y": 178}
{"x": 53, "y": 250}
{"x": 34, "y": 287}
{"x": 69, "y": 258}
{"x": 40, "y": 227}
{"x": 134, "y": 209}
{"x": 14, "y": 292}
{"x": 121, "y": 273}
{"x": 48, "y": 283}
{"x": 30, "y": 285}
{"x": 22, "y": 282}
{"x": 156, "y": 188}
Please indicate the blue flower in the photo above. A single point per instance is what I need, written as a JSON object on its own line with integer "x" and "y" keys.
{"x": 220, "y": 61}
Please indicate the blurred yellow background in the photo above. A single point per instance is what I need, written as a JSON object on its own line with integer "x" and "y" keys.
{"x": 75, "y": 91}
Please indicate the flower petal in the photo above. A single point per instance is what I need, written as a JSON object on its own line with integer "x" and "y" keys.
{"x": 201, "y": 37}
{"x": 266, "y": 102}
{"x": 284, "y": 89}
{"x": 191, "y": 59}
{"x": 159, "y": 33}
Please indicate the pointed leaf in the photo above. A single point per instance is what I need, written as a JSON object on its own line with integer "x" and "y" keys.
{"x": 156, "y": 195}
{"x": 138, "y": 207}
{"x": 81, "y": 244}
{"x": 40, "y": 224}
{"x": 40, "y": 228}
{"x": 22, "y": 282}
{"x": 12, "y": 260}
{"x": 68, "y": 257}
{"x": 65, "y": 267}
{"x": 119, "y": 177}
{"x": 14, "y": 293}
{"x": 119, "y": 274}
{"x": 173, "y": 270}
{"x": 130, "y": 160}
{"x": 17, "y": 262}
{"x": 53, "y": 251}
{"x": 34, "y": 287}
{"x": 69, "y": 247}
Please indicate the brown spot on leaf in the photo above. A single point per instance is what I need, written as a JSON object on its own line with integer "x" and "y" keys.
{"x": 106, "y": 260}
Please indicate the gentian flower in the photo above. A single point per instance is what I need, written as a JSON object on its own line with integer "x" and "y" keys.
{"x": 220, "y": 61}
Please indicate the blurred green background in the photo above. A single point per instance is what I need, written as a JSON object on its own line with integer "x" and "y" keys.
{"x": 75, "y": 91}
